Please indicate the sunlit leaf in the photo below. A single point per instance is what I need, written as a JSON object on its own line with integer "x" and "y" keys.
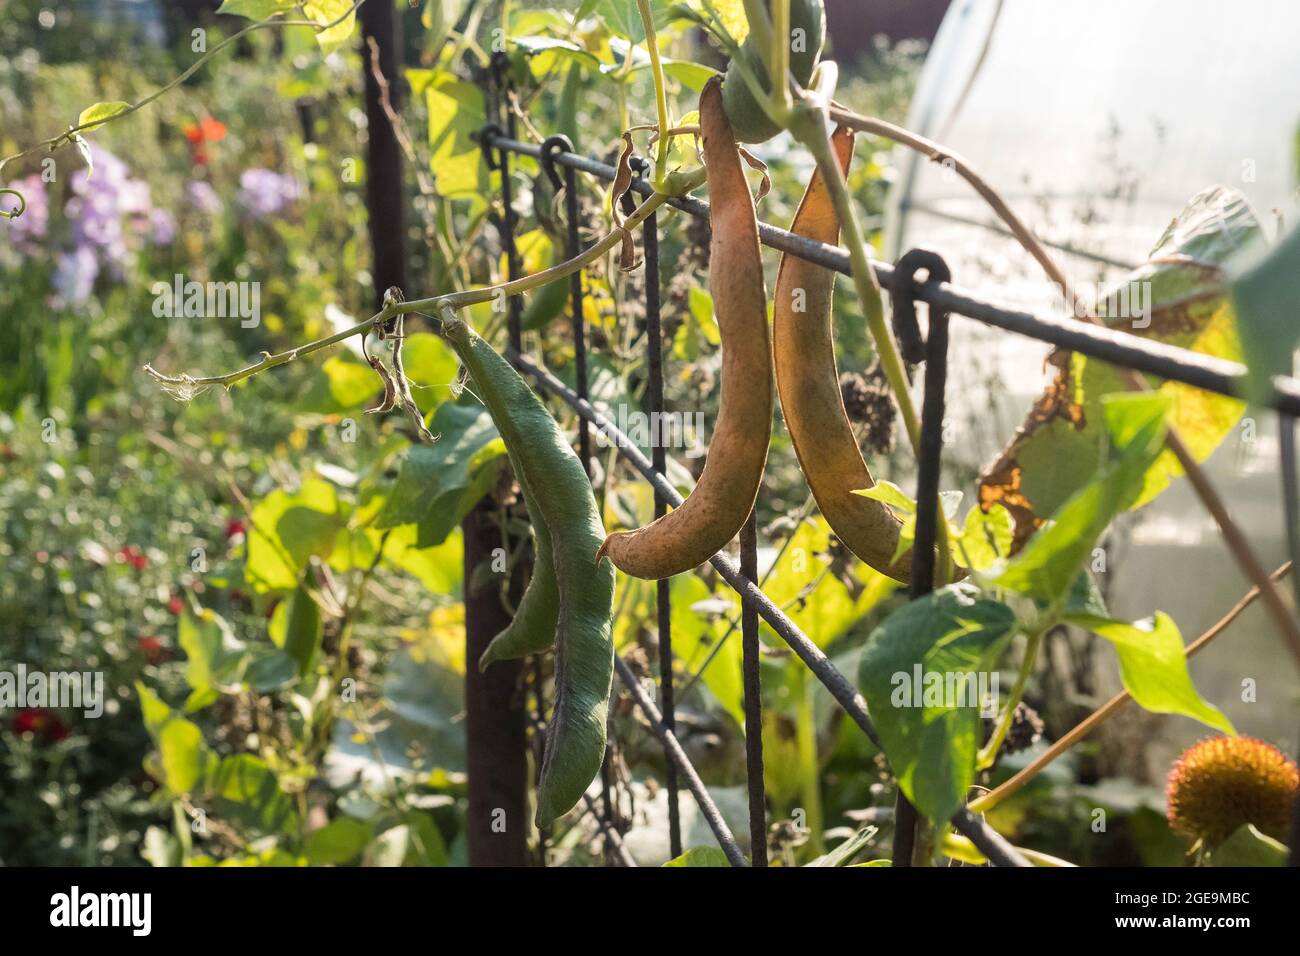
{"x": 1177, "y": 297}
{"x": 942, "y": 647}
{"x": 1050, "y": 563}
{"x": 1153, "y": 666}
{"x": 708, "y": 856}
{"x": 101, "y": 113}
{"x": 184, "y": 756}
{"x": 327, "y": 12}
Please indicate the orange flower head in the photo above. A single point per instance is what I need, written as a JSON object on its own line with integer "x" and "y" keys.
{"x": 1222, "y": 783}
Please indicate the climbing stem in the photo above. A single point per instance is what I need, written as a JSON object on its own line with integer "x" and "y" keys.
{"x": 454, "y": 300}
{"x": 990, "y": 751}
{"x": 661, "y": 93}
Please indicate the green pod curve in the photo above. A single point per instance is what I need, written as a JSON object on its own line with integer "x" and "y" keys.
{"x": 584, "y": 639}
{"x": 532, "y": 629}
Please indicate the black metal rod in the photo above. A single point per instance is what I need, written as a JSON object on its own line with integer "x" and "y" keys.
{"x": 753, "y": 699}
{"x": 654, "y": 401}
{"x": 985, "y": 839}
{"x": 934, "y": 349}
{"x": 1111, "y": 345}
{"x": 514, "y": 314}
{"x": 678, "y": 756}
{"x": 812, "y": 655}
{"x": 579, "y": 319}
{"x": 613, "y": 839}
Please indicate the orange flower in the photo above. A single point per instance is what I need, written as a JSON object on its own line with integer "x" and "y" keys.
{"x": 1222, "y": 783}
{"x": 206, "y": 130}
{"x": 200, "y": 134}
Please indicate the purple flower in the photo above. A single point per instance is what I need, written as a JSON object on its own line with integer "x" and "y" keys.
{"x": 163, "y": 227}
{"x": 264, "y": 192}
{"x": 74, "y": 276}
{"x": 203, "y": 197}
{"x": 101, "y": 202}
{"x": 29, "y": 229}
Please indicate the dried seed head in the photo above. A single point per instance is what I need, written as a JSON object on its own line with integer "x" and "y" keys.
{"x": 1025, "y": 730}
{"x": 1222, "y": 783}
{"x": 867, "y": 400}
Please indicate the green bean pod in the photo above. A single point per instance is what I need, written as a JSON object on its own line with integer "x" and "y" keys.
{"x": 584, "y": 640}
{"x": 532, "y": 629}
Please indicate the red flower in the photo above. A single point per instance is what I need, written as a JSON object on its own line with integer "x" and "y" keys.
{"x": 206, "y": 130}
{"x": 133, "y": 556}
{"x": 235, "y": 527}
{"x": 153, "y": 649}
{"x": 176, "y": 605}
{"x": 38, "y": 720}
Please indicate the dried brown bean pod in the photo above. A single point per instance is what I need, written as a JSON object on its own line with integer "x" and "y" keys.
{"x": 723, "y": 497}
{"x": 808, "y": 383}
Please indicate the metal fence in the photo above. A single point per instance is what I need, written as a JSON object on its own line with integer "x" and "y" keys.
{"x": 561, "y": 165}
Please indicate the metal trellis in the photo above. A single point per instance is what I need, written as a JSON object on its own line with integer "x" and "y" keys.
{"x": 944, "y": 299}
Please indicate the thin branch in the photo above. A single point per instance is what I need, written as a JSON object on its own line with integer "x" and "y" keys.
{"x": 186, "y": 385}
{"x": 1108, "y": 709}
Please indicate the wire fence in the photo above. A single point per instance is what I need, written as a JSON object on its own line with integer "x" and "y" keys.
{"x": 561, "y": 165}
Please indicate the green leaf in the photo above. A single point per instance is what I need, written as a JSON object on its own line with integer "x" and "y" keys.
{"x": 693, "y": 76}
{"x": 1049, "y": 564}
{"x": 822, "y": 605}
{"x": 624, "y": 20}
{"x": 1177, "y": 297}
{"x": 984, "y": 538}
{"x": 1153, "y": 667}
{"x": 847, "y": 850}
{"x": 288, "y": 529}
{"x": 256, "y": 9}
{"x": 211, "y": 650}
{"x": 700, "y": 856}
{"x": 153, "y": 710}
{"x": 1266, "y": 294}
{"x": 101, "y": 113}
{"x": 456, "y": 113}
{"x": 439, "y": 17}
{"x": 184, "y": 756}
{"x": 1085, "y": 598}
{"x": 246, "y": 791}
{"x": 946, "y": 642}
{"x": 890, "y": 494}
{"x": 1248, "y": 847}
{"x": 339, "y": 841}
{"x": 435, "y": 481}
{"x": 271, "y": 671}
{"x": 341, "y": 384}
{"x": 431, "y": 368}
{"x": 438, "y": 568}
{"x": 414, "y": 842}
{"x": 297, "y": 629}
{"x": 326, "y": 12}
